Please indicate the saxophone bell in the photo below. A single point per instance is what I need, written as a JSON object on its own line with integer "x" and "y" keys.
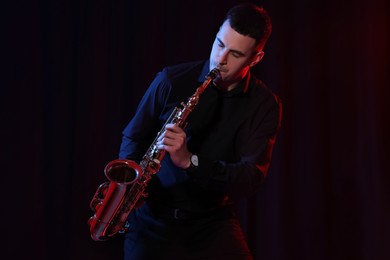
{"x": 122, "y": 171}
{"x": 107, "y": 203}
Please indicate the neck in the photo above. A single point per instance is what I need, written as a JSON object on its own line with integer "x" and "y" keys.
{"x": 227, "y": 88}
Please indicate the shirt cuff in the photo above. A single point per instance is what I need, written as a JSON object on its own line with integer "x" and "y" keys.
{"x": 203, "y": 172}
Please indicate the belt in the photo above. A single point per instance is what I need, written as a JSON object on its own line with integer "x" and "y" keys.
{"x": 180, "y": 214}
{"x": 176, "y": 214}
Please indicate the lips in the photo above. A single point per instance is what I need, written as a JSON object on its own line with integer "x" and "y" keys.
{"x": 221, "y": 69}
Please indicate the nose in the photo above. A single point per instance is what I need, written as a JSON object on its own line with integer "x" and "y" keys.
{"x": 222, "y": 58}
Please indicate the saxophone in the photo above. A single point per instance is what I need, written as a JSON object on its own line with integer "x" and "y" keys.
{"x": 116, "y": 198}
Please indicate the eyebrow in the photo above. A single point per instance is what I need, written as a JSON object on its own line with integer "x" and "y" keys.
{"x": 232, "y": 50}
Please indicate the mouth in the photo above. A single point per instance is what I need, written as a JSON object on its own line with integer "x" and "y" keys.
{"x": 219, "y": 67}
{"x": 222, "y": 70}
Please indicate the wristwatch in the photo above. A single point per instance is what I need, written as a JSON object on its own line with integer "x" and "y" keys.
{"x": 194, "y": 161}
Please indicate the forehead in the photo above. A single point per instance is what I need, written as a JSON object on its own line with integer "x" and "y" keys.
{"x": 234, "y": 40}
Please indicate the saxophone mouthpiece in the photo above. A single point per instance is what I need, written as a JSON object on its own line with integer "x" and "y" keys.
{"x": 215, "y": 75}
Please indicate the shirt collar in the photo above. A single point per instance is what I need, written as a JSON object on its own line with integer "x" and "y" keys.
{"x": 243, "y": 86}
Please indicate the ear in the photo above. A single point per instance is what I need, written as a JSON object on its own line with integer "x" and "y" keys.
{"x": 256, "y": 58}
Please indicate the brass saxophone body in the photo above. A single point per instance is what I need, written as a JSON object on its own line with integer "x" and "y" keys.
{"x": 115, "y": 199}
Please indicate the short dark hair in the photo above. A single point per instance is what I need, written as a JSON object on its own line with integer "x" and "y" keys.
{"x": 250, "y": 20}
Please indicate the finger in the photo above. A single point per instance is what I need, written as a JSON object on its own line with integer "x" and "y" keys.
{"x": 166, "y": 134}
{"x": 169, "y": 142}
{"x": 174, "y": 128}
{"x": 167, "y": 148}
{"x": 171, "y": 125}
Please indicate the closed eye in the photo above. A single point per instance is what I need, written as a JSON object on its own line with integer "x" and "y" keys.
{"x": 235, "y": 53}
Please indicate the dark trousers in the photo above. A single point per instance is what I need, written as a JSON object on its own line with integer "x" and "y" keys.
{"x": 173, "y": 235}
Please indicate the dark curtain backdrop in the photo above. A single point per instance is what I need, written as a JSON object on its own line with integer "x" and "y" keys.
{"x": 74, "y": 71}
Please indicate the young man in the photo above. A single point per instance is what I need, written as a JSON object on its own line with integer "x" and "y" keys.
{"x": 224, "y": 151}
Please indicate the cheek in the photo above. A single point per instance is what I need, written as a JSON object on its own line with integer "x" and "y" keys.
{"x": 213, "y": 50}
{"x": 237, "y": 66}
{"x": 212, "y": 54}
{"x": 238, "y": 70}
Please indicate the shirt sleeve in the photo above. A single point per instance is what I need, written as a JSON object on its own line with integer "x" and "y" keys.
{"x": 246, "y": 175}
{"x": 141, "y": 130}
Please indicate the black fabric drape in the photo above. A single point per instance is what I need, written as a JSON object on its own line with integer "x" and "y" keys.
{"x": 74, "y": 72}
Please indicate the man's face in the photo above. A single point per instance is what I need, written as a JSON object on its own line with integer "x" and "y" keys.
{"x": 233, "y": 54}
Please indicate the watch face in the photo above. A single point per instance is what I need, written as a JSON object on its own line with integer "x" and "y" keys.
{"x": 194, "y": 160}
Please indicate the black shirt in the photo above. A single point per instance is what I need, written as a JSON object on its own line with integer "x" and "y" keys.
{"x": 232, "y": 133}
